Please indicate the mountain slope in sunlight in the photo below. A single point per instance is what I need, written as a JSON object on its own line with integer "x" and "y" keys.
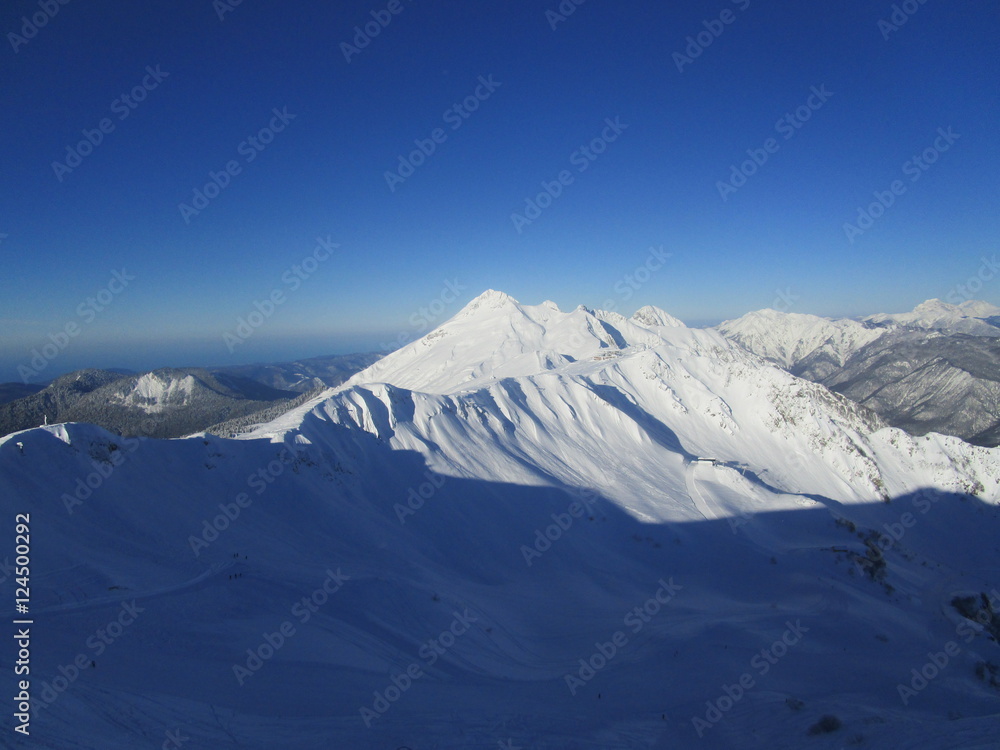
{"x": 542, "y": 528}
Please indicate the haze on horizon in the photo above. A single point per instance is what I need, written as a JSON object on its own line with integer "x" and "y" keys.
{"x": 173, "y": 170}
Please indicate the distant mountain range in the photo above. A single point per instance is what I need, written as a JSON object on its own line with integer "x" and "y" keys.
{"x": 304, "y": 375}
{"x": 935, "y": 369}
{"x": 974, "y": 317}
{"x": 172, "y": 402}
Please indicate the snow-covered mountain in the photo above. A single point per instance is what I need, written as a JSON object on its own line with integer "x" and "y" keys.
{"x": 806, "y": 345}
{"x": 168, "y": 402}
{"x": 172, "y": 402}
{"x": 972, "y": 317}
{"x": 932, "y": 370}
{"x": 814, "y": 346}
{"x": 530, "y": 528}
{"x": 926, "y": 381}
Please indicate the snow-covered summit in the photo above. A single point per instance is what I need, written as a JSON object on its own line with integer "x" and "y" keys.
{"x": 791, "y": 338}
{"x": 653, "y": 316}
{"x": 979, "y": 309}
{"x": 485, "y": 507}
{"x": 815, "y": 345}
{"x": 495, "y": 336}
{"x": 491, "y": 299}
{"x": 968, "y": 317}
{"x": 530, "y": 375}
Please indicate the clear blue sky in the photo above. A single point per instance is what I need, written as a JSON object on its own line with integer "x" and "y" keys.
{"x": 323, "y": 174}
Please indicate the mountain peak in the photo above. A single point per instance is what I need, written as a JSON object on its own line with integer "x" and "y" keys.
{"x": 496, "y": 337}
{"x": 791, "y": 338}
{"x": 972, "y": 308}
{"x": 979, "y": 309}
{"x": 491, "y": 299}
{"x": 936, "y": 306}
{"x": 934, "y": 314}
{"x": 654, "y": 316}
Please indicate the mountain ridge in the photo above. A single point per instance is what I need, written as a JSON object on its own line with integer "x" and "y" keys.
{"x": 487, "y": 511}
{"x": 920, "y": 371}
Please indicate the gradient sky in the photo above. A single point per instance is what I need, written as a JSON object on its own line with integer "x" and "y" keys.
{"x": 323, "y": 175}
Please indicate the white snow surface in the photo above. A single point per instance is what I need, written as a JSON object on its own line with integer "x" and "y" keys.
{"x": 501, "y": 495}
{"x": 155, "y": 392}
{"x": 788, "y": 338}
{"x": 935, "y": 314}
{"x": 792, "y": 338}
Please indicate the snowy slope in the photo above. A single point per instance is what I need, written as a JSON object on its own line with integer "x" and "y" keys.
{"x": 933, "y": 370}
{"x": 928, "y": 382}
{"x": 979, "y": 309}
{"x": 522, "y": 340}
{"x": 969, "y": 317}
{"x": 168, "y": 402}
{"x": 514, "y": 493}
{"x": 800, "y": 342}
{"x": 154, "y": 392}
{"x": 816, "y": 346}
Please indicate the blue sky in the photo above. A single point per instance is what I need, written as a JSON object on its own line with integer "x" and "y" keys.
{"x": 208, "y": 84}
